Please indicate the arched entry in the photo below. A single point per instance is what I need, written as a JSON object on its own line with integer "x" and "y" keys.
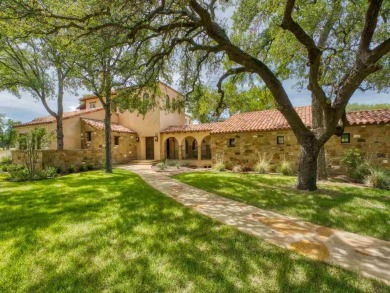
{"x": 206, "y": 148}
{"x": 189, "y": 148}
{"x": 171, "y": 148}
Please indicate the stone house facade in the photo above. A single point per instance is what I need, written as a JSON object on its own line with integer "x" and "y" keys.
{"x": 240, "y": 140}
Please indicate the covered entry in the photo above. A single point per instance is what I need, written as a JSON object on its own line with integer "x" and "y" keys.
{"x": 171, "y": 148}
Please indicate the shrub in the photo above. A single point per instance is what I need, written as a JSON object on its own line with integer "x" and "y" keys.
{"x": 377, "y": 178}
{"x": 263, "y": 167}
{"x": 161, "y": 166}
{"x": 352, "y": 158}
{"x": 71, "y": 169}
{"x": 286, "y": 169}
{"x": 263, "y": 164}
{"x": 90, "y": 167}
{"x": 83, "y": 168}
{"x": 360, "y": 172}
{"x": 178, "y": 165}
{"x": 237, "y": 169}
{"x": 48, "y": 172}
{"x": 5, "y": 163}
{"x": 219, "y": 167}
{"x": 18, "y": 173}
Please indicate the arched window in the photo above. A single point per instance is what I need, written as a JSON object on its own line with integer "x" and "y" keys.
{"x": 146, "y": 96}
{"x": 167, "y": 102}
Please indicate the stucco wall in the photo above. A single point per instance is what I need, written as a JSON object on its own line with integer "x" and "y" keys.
{"x": 373, "y": 140}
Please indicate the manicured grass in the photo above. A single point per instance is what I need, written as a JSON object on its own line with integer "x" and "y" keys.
{"x": 93, "y": 232}
{"x": 351, "y": 208}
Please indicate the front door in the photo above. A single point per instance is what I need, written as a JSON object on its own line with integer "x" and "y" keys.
{"x": 149, "y": 141}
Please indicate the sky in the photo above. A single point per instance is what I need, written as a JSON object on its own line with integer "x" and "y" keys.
{"x": 27, "y": 108}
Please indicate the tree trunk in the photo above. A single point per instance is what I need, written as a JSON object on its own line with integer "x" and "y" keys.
{"x": 60, "y": 133}
{"x": 107, "y": 137}
{"x": 60, "y": 111}
{"x": 307, "y": 168}
{"x": 322, "y": 173}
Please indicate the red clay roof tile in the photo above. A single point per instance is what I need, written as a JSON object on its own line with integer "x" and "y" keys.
{"x": 99, "y": 124}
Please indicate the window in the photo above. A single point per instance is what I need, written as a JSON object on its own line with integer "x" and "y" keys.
{"x": 116, "y": 140}
{"x": 89, "y": 135}
{"x": 167, "y": 101}
{"x": 92, "y": 105}
{"x": 146, "y": 96}
{"x": 280, "y": 139}
{"x": 232, "y": 142}
{"x": 345, "y": 138}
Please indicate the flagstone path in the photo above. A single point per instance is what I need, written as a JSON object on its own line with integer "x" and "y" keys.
{"x": 367, "y": 255}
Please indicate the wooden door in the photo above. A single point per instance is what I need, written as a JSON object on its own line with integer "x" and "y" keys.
{"x": 149, "y": 143}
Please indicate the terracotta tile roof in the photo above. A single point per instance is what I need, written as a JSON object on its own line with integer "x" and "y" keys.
{"x": 99, "y": 124}
{"x": 369, "y": 117}
{"x": 66, "y": 115}
{"x": 192, "y": 127}
{"x": 274, "y": 120}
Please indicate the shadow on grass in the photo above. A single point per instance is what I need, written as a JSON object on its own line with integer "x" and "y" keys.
{"x": 360, "y": 210}
{"x": 95, "y": 232}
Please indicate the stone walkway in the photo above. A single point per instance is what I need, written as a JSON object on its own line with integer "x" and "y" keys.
{"x": 367, "y": 255}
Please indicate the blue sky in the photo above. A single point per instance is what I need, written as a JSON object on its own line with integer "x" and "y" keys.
{"x": 27, "y": 108}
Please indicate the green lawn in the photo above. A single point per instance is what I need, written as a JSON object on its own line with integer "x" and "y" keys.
{"x": 351, "y": 208}
{"x": 93, "y": 232}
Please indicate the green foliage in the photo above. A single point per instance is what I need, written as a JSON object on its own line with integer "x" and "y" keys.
{"x": 263, "y": 164}
{"x": 219, "y": 167}
{"x": 5, "y": 163}
{"x": 71, "y": 169}
{"x": 161, "y": 166}
{"x": 18, "y": 173}
{"x": 83, "y": 168}
{"x": 360, "y": 107}
{"x": 286, "y": 169}
{"x": 352, "y": 158}
{"x": 360, "y": 172}
{"x": 48, "y": 172}
{"x": 8, "y": 133}
{"x": 30, "y": 144}
{"x": 90, "y": 167}
{"x": 377, "y": 178}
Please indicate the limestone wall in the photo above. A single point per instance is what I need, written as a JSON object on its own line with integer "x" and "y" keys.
{"x": 373, "y": 140}
{"x": 122, "y": 153}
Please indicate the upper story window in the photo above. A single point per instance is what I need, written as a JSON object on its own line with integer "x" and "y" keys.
{"x": 92, "y": 105}
{"x": 89, "y": 135}
{"x": 116, "y": 140}
{"x": 167, "y": 102}
{"x": 232, "y": 142}
{"x": 146, "y": 96}
{"x": 345, "y": 138}
{"x": 280, "y": 139}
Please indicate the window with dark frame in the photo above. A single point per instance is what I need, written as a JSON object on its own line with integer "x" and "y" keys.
{"x": 89, "y": 135}
{"x": 92, "y": 105}
{"x": 232, "y": 142}
{"x": 116, "y": 140}
{"x": 280, "y": 139}
{"x": 346, "y": 138}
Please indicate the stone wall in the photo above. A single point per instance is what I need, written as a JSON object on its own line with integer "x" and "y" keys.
{"x": 63, "y": 159}
{"x": 122, "y": 153}
{"x": 373, "y": 140}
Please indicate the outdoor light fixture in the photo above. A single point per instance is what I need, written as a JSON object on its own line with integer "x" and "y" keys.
{"x": 156, "y": 137}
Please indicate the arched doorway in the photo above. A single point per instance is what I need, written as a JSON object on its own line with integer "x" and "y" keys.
{"x": 171, "y": 149}
{"x": 206, "y": 148}
{"x": 189, "y": 148}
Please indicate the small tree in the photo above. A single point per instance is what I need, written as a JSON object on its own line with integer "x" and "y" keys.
{"x": 30, "y": 144}
{"x": 8, "y": 134}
